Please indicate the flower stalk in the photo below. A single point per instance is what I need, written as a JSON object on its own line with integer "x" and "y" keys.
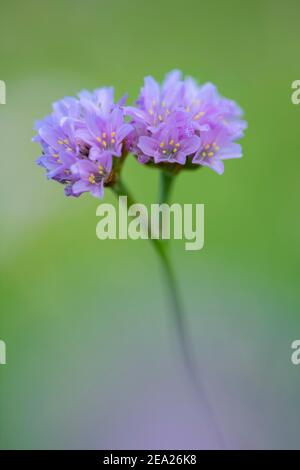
{"x": 176, "y": 305}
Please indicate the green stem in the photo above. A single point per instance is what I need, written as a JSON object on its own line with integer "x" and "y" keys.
{"x": 166, "y": 184}
{"x": 165, "y": 187}
{"x": 120, "y": 189}
{"x": 160, "y": 247}
{"x": 187, "y": 352}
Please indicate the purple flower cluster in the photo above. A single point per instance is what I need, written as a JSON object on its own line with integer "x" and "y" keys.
{"x": 81, "y": 139}
{"x": 178, "y": 123}
{"x": 182, "y": 122}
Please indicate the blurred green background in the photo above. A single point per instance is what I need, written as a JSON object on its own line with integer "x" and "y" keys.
{"x": 92, "y": 356}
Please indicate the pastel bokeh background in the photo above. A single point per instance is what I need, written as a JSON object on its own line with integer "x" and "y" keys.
{"x": 93, "y": 360}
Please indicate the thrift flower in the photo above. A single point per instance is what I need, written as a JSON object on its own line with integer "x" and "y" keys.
{"x": 216, "y": 146}
{"x": 103, "y": 133}
{"x": 201, "y": 124}
{"x": 91, "y": 176}
{"x": 156, "y": 102}
{"x": 171, "y": 142}
{"x": 81, "y": 139}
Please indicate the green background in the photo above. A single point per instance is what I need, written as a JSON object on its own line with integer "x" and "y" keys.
{"x": 92, "y": 356}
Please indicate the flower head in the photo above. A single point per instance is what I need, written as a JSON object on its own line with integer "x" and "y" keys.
{"x": 81, "y": 139}
{"x": 183, "y": 123}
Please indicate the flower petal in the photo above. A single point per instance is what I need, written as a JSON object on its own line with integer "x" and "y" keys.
{"x": 151, "y": 92}
{"x": 136, "y": 113}
{"x": 215, "y": 164}
{"x": 81, "y": 187}
{"x": 191, "y": 145}
{"x": 148, "y": 145}
{"x": 230, "y": 151}
{"x": 123, "y": 131}
{"x": 97, "y": 190}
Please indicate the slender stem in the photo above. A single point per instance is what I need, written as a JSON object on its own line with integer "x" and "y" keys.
{"x": 160, "y": 247}
{"x": 120, "y": 189}
{"x": 187, "y": 352}
{"x": 165, "y": 187}
{"x": 166, "y": 184}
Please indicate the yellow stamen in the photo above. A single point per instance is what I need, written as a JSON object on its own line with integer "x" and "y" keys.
{"x": 66, "y": 141}
{"x": 171, "y": 142}
{"x": 113, "y": 141}
{"x": 92, "y": 178}
{"x": 164, "y": 151}
{"x": 55, "y": 155}
{"x": 177, "y": 145}
{"x": 210, "y": 154}
{"x": 104, "y": 143}
{"x": 198, "y": 116}
{"x": 99, "y": 139}
{"x": 175, "y": 150}
{"x": 100, "y": 168}
{"x": 103, "y": 135}
{"x": 113, "y": 134}
{"x": 203, "y": 154}
{"x": 207, "y": 147}
{"x": 60, "y": 142}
